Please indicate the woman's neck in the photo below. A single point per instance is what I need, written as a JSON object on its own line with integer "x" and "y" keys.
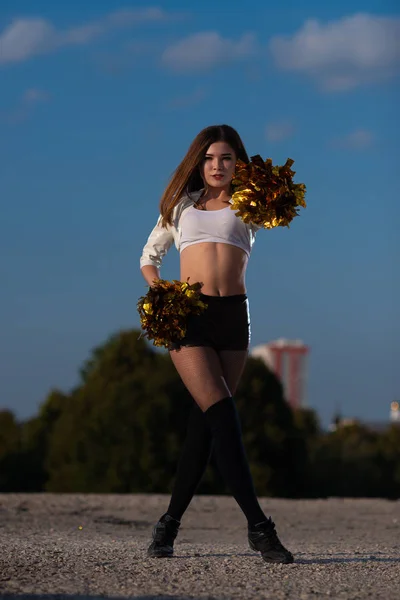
{"x": 218, "y": 195}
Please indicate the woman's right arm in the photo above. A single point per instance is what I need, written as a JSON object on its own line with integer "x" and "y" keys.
{"x": 150, "y": 273}
{"x": 158, "y": 243}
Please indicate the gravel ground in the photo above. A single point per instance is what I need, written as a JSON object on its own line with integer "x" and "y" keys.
{"x": 80, "y": 546}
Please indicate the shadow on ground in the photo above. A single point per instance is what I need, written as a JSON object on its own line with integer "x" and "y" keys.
{"x": 338, "y": 559}
{"x": 362, "y": 558}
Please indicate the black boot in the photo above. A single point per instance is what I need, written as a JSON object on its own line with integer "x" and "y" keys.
{"x": 263, "y": 537}
{"x": 164, "y": 534}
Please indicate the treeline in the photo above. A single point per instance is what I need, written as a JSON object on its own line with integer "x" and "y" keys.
{"x": 121, "y": 430}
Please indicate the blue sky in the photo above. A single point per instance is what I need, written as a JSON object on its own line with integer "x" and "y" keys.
{"x": 98, "y": 104}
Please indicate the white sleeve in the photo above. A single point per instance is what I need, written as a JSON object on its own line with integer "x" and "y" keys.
{"x": 158, "y": 243}
{"x": 255, "y": 227}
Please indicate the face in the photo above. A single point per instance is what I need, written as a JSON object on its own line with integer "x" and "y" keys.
{"x": 218, "y": 165}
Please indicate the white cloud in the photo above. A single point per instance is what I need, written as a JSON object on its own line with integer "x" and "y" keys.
{"x": 34, "y": 95}
{"x": 342, "y": 54}
{"x": 25, "y": 38}
{"x": 279, "y": 130}
{"x": 81, "y": 35}
{"x": 24, "y": 106}
{"x": 205, "y": 50}
{"x": 358, "y": 139}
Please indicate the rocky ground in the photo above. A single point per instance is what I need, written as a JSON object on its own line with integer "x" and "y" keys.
{"x": 81, "y": 546}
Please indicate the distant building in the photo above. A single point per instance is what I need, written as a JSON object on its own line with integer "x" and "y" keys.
{"x": 288, "y": 360}
{"x": 395, "y": 412}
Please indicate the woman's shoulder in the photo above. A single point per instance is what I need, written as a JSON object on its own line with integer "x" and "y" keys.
{"x": 185, "y": 201}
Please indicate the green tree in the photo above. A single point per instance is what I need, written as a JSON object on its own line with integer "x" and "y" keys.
{"x": 347, "y": 462}
{"x": 389, "y": 450}
{"x": 10, "y": 447}
{"x": 35, "y": 436}
{"x": 122, "y": 430}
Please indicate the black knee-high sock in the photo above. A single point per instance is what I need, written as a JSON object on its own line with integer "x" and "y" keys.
{"x": 192, "y": 463}
{"x": 231, "y": 457}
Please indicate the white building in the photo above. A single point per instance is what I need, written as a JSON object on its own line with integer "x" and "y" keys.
{"x": 288, "y": 360}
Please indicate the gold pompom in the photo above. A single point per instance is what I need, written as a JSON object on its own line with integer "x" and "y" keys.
{"x": 165, "y": 308}
{"x": 265, "y": 194}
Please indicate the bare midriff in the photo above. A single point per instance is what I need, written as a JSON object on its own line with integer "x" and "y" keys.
{"x": 221, "y": 268}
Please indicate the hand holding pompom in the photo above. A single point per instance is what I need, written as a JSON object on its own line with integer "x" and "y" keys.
{"x": 164, "y": 310}
{"x": 266, "y": 195}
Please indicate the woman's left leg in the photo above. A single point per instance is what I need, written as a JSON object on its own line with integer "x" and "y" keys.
{"x": 233, "y": 363}
{"x": 192, "y": 462}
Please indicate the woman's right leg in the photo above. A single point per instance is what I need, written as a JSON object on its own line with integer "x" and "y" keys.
{"x": 201, "y": 372}
{"x": 195, "y": 364}
{"x": 192, "y": 464}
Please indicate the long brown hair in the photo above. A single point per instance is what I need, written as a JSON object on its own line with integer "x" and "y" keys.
{"x": 187, "y": 178}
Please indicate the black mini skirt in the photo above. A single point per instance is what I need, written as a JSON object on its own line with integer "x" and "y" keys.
{"x": 224, "y": 325}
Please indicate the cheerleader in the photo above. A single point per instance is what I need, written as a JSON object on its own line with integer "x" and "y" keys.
{"x": 214, "y": 247}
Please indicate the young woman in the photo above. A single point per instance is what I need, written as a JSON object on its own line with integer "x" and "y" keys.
{"x": 214, "y": 246}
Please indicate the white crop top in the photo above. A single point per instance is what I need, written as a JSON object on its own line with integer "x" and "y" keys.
{"x": 191, "y": 226}
{"x": 214, "y": 226}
